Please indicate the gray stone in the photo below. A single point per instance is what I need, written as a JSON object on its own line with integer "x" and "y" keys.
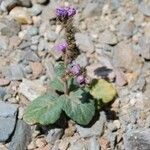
{"x": 108, "y": 37}
{"x": 48, "y": 12}
{"x": 28, "y": 70}
{"x": 147, "y": 124}
{"x": 90, "y": 9}
{"x": 25, "y": 3}
{"x": 44, "y": 27}
{"x": 32, "y": 31}
{"x": 9, "y": 27}
{"x": 36, "y": 10}
{"x": 41, "y": 45}
{"x": 25, "y": 44}
{"x": 93, "y": 144}
{"x": 8, "y": 4}
{"x": 145, "y": 8}
{"x": 120, "y": 78}
{"x": 7, "y": 126}
{"x": 82, "y": 60}
{"x": 29, "y": 56}
{"x": 35, "y": 39}
{"x": 21, "y": 137}
{"x": 31, "y": 89}
{"x": 7, "y": 110}
{"x": 49, "y": 68}
{"x": 8, "y": 114}
{"x": 2, "y": 93}
{"x": 112, "y": 139}
{"x": 144, "y": 44}
{"x": 137, "y": 139}
{"x": 14, "y": 72}
{"x": 127, "y": 28}
{"x": 54, "y": 134}
{"x": 84, "y": 42}
{"x": 3, "y": 44}
{"x": 95, "y": 130}
{"x": 77, "y": 145}
{"x": 115, "y": 4}
{"x": 34, "y": 47}
{"x": 124, "y": 52}
{"x": 111, "y": 126}
{"x": 50, "y": 36}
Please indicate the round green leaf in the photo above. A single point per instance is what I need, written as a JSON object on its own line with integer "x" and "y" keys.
{"x": 79, "y": 107}
{"x": 44, "y": 110}
{"x": 103, "y": 90}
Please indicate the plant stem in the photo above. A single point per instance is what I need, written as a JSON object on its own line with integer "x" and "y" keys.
{"x": 66, "y": 90}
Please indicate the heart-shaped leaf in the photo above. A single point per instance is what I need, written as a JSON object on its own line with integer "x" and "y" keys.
{"x": 102, "y": 90}
{"x": 79, "y": 107}
{"x": 57, "y": 84}
{"x": 44, "y": 110}
{"x": 59, "y": 70}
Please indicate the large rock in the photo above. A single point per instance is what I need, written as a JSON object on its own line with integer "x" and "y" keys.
{"x": 14, "y": 72}
{"x": 21, "y": 15}
{"x": 9, "y": 27}
{"x": 7, "y": 126}
{"x": 31, "y": 89}
{"x": 108, "y": 37}
{"x": 144, "y": 44}
{"x": 21, "y": 137}
{"x": 94, "y": 130}
{"x": 7, "y": 110}
{"x": 84, "y": 42}
{"x": 8, "y": 4}
{"x": 8, "y": 114}
{"x": 145, "y": 8}
{"x": 25, "y": 3}
{"x": 127, "y": 28}
{"x": 54, "y": 134}
{"x": 124, "y": 56}
{"x": 2, "y": 93}
{"x": 137, "y": 139}
{"x": 29, "y": 56}
{"x": 3, "y": 44}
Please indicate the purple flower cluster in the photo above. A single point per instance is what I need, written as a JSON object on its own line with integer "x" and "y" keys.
{"x": 76, "y": 70}
{"x": 65, "y": 12}
{"x": 61, "y": 47}
{"x": 81, "y": 79}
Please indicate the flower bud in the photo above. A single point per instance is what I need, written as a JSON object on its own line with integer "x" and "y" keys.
{"x": 64, "y": 13}
{"x": 80, "y": 79}
{"x": 61, "y": 47}
{"x": 75, "y": 69}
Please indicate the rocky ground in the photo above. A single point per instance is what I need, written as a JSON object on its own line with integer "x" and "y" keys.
{"x": 114, "y": 39}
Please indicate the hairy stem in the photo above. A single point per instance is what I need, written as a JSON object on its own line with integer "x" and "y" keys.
{"x": 66, "y": 90}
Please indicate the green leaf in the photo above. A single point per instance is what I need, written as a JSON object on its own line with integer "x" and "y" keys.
{"x": 44, "y": 110}
{"x": 79, "y": 107}
{"x": 60, "y": 69}
{"x": 57, "y": 84}
{"x": 102, "y": 90}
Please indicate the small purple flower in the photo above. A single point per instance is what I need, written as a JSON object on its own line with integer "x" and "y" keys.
{"x": 75, "y": 69}
{"x": 65, "y": 12}
{"x": 71, "y": 12}
{"x": 80, "y": 79}
{"x": 61, "y": 12}
{"x": 61, "y": 47}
